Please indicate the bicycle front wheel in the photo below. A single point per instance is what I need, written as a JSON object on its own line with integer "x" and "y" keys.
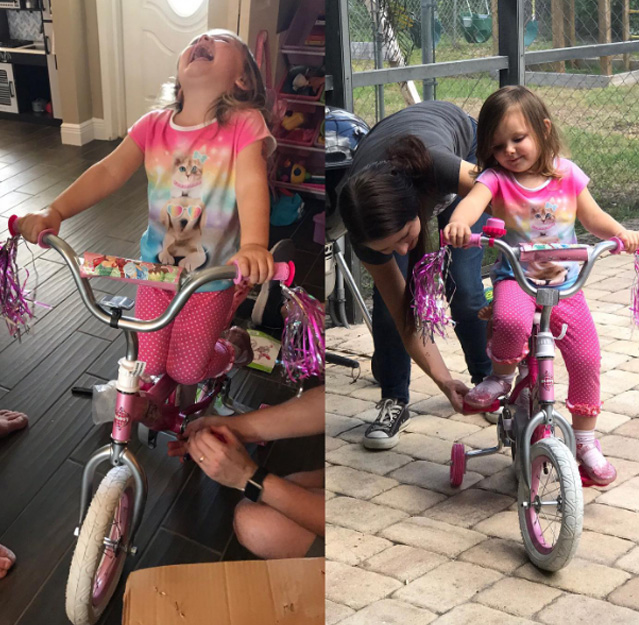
{"x": 551, "y": 514}
{"x": 102, "y": 548}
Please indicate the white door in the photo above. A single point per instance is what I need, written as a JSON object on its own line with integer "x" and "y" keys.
{"x": 155, "y": 32}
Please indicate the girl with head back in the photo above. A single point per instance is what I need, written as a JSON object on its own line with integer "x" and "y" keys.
{"x": 539, "y": 195}
{"x": 205, "y": 158}
{"x": 413, "y": 165}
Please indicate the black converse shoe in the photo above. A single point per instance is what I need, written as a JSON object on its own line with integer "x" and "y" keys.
{"x": 392, "y": 419}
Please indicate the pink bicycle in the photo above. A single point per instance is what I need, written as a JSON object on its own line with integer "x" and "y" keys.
{"x": 550, "y": 498}
{"x": 107, "y": 526}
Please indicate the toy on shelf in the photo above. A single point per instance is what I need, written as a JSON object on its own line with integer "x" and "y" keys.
{"x": 296, "y": 173}
{"x": 293, "y": 120}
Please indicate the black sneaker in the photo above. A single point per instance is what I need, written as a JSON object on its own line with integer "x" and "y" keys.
{"x": 392, "y": 419}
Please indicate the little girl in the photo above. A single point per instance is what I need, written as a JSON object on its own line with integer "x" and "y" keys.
{"x": 205, "y": 159}
{"x": 539, "y": 195}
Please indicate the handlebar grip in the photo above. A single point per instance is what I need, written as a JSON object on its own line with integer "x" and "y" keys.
{"x": 12, "y": 228}
{"x": 41, "y": 236}
{"x": 284, "y": 272}
{"x": 620, "y": 246}
{"x": 475, "y": 240}
{"x": 13, "y": 231}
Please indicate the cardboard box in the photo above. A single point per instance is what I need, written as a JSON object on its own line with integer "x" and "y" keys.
{"x": 260, "y": 592}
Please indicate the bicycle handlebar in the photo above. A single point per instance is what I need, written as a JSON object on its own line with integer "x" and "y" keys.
{"x": 516, "y": 255}
{"x": 185, "y": 285}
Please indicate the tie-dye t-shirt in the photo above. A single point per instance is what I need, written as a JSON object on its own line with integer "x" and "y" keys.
{"x": 545, "y": 214}
{"x": 193, "y": 218}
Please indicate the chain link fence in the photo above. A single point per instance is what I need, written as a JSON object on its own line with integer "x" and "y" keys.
{"x": 595, "y": 101}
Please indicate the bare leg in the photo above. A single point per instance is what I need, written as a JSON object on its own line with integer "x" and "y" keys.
{"x": 268, "y": 533}
{"x": 11, "y": 421}
{"x": 7, "y": 559}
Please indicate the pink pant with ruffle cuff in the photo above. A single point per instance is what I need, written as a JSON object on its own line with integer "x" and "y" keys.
{"x": 513, "y": 315}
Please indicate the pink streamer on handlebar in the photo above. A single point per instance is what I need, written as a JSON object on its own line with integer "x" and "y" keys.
{"x": 429, "y": 294}
{"x": 303, "y": 343}
{"x": 14, "y": 306}
{"x": 634, "y": 307}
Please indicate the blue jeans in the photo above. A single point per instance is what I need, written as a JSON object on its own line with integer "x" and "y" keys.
{"x": 391, "y": 363}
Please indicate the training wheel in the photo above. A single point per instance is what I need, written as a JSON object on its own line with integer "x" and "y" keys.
{"x": 457, "y": 464}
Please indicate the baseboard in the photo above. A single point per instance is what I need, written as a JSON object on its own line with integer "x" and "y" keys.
{"x": 81, "y": 134}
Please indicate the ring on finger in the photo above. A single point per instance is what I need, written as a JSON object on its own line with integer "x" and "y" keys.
{"x": 200, "y": 459}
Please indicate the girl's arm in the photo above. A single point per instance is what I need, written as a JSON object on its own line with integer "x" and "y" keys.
{"x": 251, "y": 190}
{"x": 601, "y": 224}
{"x": 391, "y": 284}
{"x": 96, "y": 183}
{"x": 468, "y": 211}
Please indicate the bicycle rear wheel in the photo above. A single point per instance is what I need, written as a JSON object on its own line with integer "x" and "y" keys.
{"x": 551, "y": 514}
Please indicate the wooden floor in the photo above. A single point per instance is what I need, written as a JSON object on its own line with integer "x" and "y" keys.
{"x": 188, "y": 518}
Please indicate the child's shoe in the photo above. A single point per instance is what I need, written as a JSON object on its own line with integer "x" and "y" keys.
{"x": 594, "y": 468}
{"x": 487, "y": 392}
{"x": 241, "y": 341}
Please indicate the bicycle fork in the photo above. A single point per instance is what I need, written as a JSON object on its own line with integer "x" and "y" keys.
{"x": 544, "y": 353}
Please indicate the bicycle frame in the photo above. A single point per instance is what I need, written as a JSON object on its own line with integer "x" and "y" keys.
{"x": 540, "y": 377}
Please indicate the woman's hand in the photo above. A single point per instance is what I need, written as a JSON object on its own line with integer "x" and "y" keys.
{"x": 630, "y": 240}
{"x": 221, "y": 456}
{"x": 455, "y": 390}
{"x": 457, "y": 233}
{"x": 179, "y": 448}
{"x": 255, "y": 263}
{"x": 30, "y": 226}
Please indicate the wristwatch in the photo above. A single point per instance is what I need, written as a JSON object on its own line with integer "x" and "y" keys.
{"x": 253, "y": 488}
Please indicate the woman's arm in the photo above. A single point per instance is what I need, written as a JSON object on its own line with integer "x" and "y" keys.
{"x": 251, "y": 190}
{"x": 227, "y": 462}
{"x": 96, "y": 183}
{"x": 466, "y": 180}
{"x": 391, "y": 285}
{"x": 601, "y": 224}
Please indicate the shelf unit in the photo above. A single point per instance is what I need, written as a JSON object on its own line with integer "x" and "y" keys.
{"x": 308, "y": 24}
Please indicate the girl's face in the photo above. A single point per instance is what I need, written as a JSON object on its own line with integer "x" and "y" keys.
{"x": 214, "y": 59}
{"x": 401, "y": 242}
{"x": 514, "y": 145}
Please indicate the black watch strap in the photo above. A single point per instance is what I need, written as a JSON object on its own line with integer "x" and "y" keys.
{"x": 253, "y": 488}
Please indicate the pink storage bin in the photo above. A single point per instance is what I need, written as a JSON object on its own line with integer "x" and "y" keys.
{"x": 294, "y": 96}
{"x": 305, "y": 133}
{"x": 319, "y": 234}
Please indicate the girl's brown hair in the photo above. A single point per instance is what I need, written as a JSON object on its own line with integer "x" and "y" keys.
{"x": 251, "y": 96}
{"x": 382, "y": 198}
{"x": 534, "y": 111}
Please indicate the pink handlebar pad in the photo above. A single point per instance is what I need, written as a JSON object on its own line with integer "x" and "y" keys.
{"x": 284, "y": 272}
{"x": 620, "y": 246}
{"x": 165, "y": 277}
{"x": 553, "y": 251}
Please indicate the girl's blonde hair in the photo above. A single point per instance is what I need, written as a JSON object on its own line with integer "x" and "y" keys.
{"x": 534, "y": 112}
{"x": 251, "y": 96}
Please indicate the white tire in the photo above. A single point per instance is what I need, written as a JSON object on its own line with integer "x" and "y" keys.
{"x": 84, "y": 601}
{"x": 551, "y": 533}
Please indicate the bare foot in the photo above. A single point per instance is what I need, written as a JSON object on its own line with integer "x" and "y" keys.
{"x": 11, "y": 421}
{"x": 7, "y": 559}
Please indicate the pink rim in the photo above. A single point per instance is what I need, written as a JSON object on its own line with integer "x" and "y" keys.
{"x": 457, "y": 464}
{"x": 105, "y": 577}
{"x": 538, "y": 534}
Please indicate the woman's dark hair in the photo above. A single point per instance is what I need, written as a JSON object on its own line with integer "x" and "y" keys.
{"x": 534, "y": 111}
{"x": 382, "y": 198}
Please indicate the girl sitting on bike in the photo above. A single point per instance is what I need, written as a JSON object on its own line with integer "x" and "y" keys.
{"x": 205, "y": 158}
{"x": 539, "y": 196}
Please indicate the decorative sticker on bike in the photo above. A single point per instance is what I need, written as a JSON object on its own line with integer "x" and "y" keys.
{"x": 122, "y": 418}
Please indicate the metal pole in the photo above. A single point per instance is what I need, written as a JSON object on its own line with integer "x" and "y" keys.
{"x": 511, "y": 41}
{"x": 427, "y": 45}
{"x": 378, "y": 53}
{"x": 339, "y": 84}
